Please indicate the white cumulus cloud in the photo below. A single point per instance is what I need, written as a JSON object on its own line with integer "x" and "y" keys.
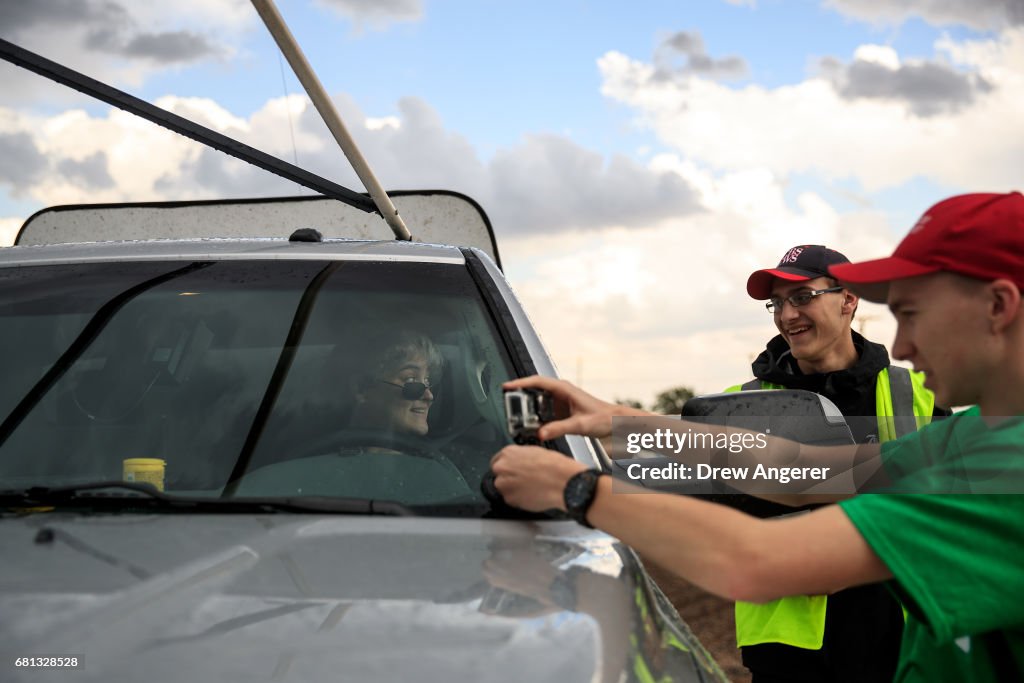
{"x": 810, "y": 126}
{"x": 980, "y": 14}
{"x": 632, "y": 311}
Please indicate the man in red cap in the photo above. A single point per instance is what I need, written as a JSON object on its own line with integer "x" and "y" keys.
{"x": 852, "y": 635}
{"x": 956, "y": 561}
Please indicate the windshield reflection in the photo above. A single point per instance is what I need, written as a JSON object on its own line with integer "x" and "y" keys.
{"x": 269, "y": 378}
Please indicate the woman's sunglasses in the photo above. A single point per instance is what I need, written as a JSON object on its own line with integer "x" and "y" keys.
{"x": 412, "y": 391}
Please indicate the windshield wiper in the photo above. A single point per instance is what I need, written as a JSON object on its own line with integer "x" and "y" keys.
{"x": 98, "y": 495}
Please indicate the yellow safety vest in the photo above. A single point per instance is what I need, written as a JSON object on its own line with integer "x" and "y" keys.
{"x": 799, "y": 620}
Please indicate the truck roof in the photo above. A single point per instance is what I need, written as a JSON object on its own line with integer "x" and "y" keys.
{"x": 435, "y": 216}
{"x": 231, "y": 248}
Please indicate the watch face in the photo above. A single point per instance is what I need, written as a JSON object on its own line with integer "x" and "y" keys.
{"x": 579, "y": 491}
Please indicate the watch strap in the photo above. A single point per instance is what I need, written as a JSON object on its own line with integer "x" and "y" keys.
{"x": 579, "y": 493}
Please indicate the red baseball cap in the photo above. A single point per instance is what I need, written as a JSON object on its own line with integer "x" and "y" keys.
{"x": 977, "y": 235}
{"x": 804, "y": 262}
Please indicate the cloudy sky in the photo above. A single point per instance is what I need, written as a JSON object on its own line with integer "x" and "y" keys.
{"x": 638, "y": 160}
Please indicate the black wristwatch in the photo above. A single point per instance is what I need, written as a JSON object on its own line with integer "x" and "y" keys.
{"x": 579, "y": 494}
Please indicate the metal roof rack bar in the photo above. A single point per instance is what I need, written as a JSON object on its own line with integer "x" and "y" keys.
{"x": 61, "y": 74}
{"x": 274, "y": 22}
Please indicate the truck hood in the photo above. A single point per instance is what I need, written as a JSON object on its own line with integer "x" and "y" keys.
{"x": 302, "y": 598}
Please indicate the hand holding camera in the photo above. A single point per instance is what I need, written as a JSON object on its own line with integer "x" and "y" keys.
{"x": 525, "y": 411}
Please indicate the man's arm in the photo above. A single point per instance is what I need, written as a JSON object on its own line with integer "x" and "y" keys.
{"x": 848, "y": 466}
{"x": 724, "y": 551}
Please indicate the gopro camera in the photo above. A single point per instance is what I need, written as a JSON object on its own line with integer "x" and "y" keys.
{"x": 527, "y": 410}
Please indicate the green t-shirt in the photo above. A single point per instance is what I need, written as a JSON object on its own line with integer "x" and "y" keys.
{"x": 957, "y": 560}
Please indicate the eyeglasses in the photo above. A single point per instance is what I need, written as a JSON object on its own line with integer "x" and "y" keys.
{"x": 412, "y": 390}
{"x": 799, "y": 299}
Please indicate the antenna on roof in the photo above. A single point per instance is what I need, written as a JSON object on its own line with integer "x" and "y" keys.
{"x": 293, "y": 53}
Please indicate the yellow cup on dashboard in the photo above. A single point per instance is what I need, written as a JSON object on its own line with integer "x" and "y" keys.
{"x": 145, "y": 471}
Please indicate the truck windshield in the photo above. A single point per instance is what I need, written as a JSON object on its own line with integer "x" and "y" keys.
{"x": 244, "y": 378}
